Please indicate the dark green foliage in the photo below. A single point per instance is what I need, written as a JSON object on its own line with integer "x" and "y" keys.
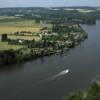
{"x": 37, "y": 21}
{"x": 7, "y": 57}
{"x": 76, "y": 96}
{"x": 24, "y": 54}
{"x": 48, "y": 15}
{"x": 61, "y": 28}
{"x": 92, "y": 93}
{"x": 4, "y": 37}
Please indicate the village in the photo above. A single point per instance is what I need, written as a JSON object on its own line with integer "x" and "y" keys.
{"x": 46, "y": 35}
{"x": 26, "y": 45}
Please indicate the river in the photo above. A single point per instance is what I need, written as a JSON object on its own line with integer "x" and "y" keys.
{"x": 46, "y": 78}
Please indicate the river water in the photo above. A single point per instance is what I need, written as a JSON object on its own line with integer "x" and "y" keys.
{"x": 48, "y": 78}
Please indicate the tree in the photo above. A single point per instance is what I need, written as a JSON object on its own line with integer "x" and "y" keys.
{"x": 4, "y": 37}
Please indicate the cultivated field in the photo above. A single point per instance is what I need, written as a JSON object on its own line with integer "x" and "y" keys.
{"x": 14, "y": 37}
{"x": 14, "y": 24}
{"x": 9, "y": 30}
{"x": 11, "y": 24}
{"x": 7, "y": 17}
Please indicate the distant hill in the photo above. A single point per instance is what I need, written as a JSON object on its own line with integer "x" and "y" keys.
{"x": 53, "y": 13}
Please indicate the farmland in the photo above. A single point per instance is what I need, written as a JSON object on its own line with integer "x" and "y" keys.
{"x": 7, "y": 17}
{"x": 79, "y": 10}
{"x": 11, "y": 24}
{"x": 6, "y": 46}
{"x": 13, "y": 37}
{"x": 9, "y": 30}
{"x": 15, "y": 24}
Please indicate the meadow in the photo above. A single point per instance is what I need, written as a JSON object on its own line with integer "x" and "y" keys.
{"x": 6, "y": 46}
{"x": 79, "y": 10}
{"x": 13, "y": 29}
{"x": 8, "y": 17}
{"x": 14, "y": 24}
{"x": 14, "y": 37}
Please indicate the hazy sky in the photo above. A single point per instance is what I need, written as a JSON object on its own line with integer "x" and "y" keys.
{"x": 48, "y": 3}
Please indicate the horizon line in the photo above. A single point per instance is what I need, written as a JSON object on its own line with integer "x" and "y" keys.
{"x": 47, "y": 7}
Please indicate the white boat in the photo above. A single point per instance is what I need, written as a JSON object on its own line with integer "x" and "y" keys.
{"x": 64, "y": 72}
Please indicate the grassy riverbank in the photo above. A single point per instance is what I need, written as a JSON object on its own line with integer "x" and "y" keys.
{"x": 24, "y": 54}
{"x": 17, "y": 54}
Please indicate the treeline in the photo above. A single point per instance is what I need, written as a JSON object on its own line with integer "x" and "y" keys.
{"x": 45, "y": 14}
{"x": 18, "y": 56}
{"x": 23, "y": 54}
{"x": 52, "y": 15}
{"x": 65, "y": 28}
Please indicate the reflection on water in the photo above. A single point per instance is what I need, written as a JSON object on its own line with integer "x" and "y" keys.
{"x": 10, "y": 68}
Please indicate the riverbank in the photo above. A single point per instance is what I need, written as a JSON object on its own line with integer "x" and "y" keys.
{"x": 25, "y": 54}
{"x": 47, "y": 46}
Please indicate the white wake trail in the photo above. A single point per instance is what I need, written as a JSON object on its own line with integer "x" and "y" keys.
{"x": 60, "y": 74}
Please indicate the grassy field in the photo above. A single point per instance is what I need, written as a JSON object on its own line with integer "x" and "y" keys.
{"x": 79, "y": 10}
{"x": 7, "y": 17}
{"x": 6, "y": 46}
{"x": 84, "y": 10}
{"x": 22, "y": 23}
{"x": 69, "y": 9}
{"x": 9, "y": 30}
{"x": 13, "y": 24}
{"x": 13, "y": 37}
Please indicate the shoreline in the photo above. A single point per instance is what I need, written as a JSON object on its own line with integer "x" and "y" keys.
{"x": 20, "y": 58}
{"x": 9, "y": 57}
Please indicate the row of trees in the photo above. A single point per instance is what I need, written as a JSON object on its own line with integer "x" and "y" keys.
{"x": 64, "y": 29}
{"x": 21, "y": 55}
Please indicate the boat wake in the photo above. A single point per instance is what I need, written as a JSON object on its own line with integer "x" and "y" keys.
{"x": 64, "y": 72}
{"x": 60, "y": 74}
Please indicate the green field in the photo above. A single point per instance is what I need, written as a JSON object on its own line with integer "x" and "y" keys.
{"x": 14, "y": 37}
{"x": 85, "y": 10}
{"x": 22, "y": 23}
{"x": 8, "y": 17}
{"x": 6, "y": 46}
{"x": 79, "y": 10}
